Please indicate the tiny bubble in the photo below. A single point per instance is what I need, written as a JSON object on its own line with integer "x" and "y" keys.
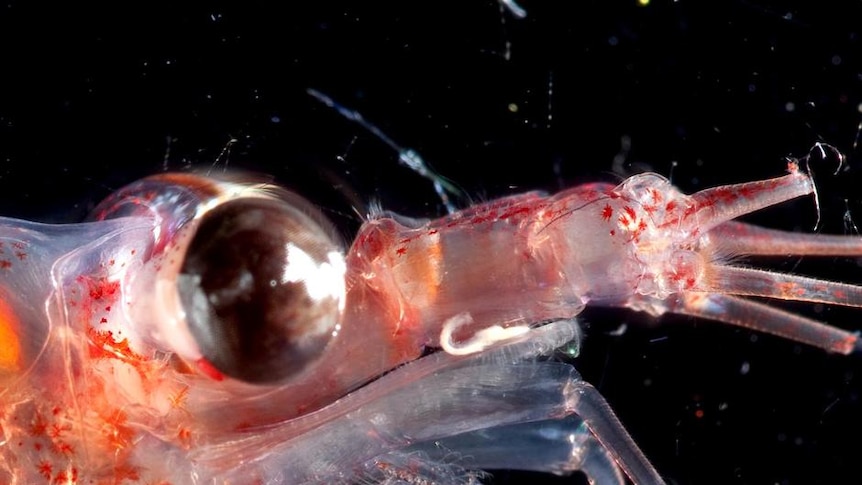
{"x": 790, "y": 106}
{"x": 275, "y": 119}
{"x": 613, "y": 40}
{"x": 722, "y": 406}
{"x": 836, "y": 60}
{"x": 746, "y": 366}
{"x": 513, "y": 108}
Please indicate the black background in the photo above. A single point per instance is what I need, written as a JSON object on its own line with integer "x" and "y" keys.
{"x": 95, "y": 96}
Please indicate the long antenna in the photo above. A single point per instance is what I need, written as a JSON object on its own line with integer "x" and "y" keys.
{"x": 406, "y": 156}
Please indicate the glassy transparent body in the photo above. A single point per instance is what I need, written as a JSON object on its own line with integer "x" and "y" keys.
{"x": 104, "y": 382}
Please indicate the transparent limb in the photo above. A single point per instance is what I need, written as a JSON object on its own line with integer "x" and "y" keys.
{"x": 431, "y": 399}
{"x": 764, "y": 318}
{"x": 557, "y": 446}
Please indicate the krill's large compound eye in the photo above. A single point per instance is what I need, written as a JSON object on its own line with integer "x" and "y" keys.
{"x": 262, "y": 287}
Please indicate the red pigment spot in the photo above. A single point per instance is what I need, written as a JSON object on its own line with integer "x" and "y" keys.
{"x": 607, "y": 212}
{"x": 400, "y": 251}
{"x": 102, "y": 288}
{"x": 432, "y": 232}
{"x": 119, "y": 434}
{"x": 5, "y": 264}
{"x": 21, "y": 255}
{"x": 39, "y": 426}
{"x": 515, "y": 211}
{"x": 134, "y": 251}
{"x": 64, "y": 476}
{"x": 725, "y": 194}
{"x": 57, "y": 430}
{"x": 45, "y": 469}
{"x": 209, "y": 370}
{"x": 63, "y": 448}
{"x": 108, "y": 308}
{"x": 103, "y": 320}
{"x": 185, "y": 436}
{"x": 698, "y": 414}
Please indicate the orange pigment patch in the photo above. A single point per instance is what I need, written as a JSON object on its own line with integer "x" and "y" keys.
{"x": 10, "y": 345}
{"x": 105, "y": 345}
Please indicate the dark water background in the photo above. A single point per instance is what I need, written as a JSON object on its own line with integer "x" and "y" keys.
{"x": 93, "y": 97}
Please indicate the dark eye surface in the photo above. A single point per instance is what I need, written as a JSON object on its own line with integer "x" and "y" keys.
{"x": 262, "y": 286}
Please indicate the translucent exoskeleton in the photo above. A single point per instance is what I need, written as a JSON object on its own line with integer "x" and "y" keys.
{"x": 202, "y": 330}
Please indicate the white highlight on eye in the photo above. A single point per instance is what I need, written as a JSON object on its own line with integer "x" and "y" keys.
{"x": 481, "y": 340}
{"x": 324, "y": 280}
